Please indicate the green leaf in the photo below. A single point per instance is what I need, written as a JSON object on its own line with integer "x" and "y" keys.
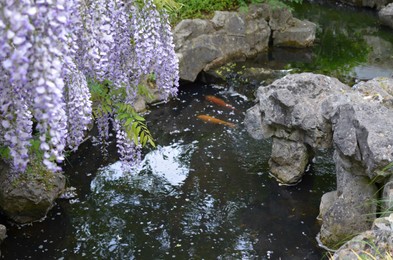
{"x": 152, "y": 143}
{"x": 138, "y": 117}
{"x": 128, "y": 122}
{"x": 134, "y": 125}
{"x": 136, "y": 139}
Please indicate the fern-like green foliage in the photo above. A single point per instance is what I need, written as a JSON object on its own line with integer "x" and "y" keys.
{"x": 110, "y": 100}
{"x": 134, "y": 125}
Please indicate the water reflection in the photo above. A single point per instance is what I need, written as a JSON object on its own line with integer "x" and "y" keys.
{"x": 351, "y": 43}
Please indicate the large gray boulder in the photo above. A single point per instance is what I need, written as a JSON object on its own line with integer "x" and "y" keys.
{"x": 386, "y": 15}
{"x": 316, "y": 111}
{"x": 25, "y": 199}
{"x": 296, "y": 108}
{"x": 205, "y": 44}
{"x": 300, "y": 35}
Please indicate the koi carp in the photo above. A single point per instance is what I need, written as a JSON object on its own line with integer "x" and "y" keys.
{"x": 219, "y": 102}
{"x": 214, "y": 120}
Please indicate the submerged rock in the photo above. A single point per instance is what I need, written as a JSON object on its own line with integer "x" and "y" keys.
{"x": 25, "y": 199}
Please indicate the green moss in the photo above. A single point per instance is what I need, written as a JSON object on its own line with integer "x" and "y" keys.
{"x": 35, "y": 172}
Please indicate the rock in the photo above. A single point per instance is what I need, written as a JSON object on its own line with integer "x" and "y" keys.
{"x": 327, "y": 202}
{"x": 287, "y": 110}
{"x": 203, "y": 45}
{"x": 254, "y": 125}
{"x": 363, "y": 133}
{"x": 353, "y": 211}
{"x": 295, "y": 102}
{"x": 189, "y": 29}
{"x": 300, "y": 35}
{"x": 387, "y": 196}
{"x": 25, "y": 199}
{"x": 384, "y": 223}
{"x": 378, "y": 89}
{"x": 377, "y": 242}
{"x": 288, "y": 160}
{"x": 3, "y": 233}
{"x": 386, "y": 15}
{"x": 305, "y": 112}
{"x": 342, "y": 221}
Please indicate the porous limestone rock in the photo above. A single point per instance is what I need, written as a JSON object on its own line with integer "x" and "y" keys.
{"x": 321, "y": 112}
{"x": 288, "y": 160}
{"x": 296, "y": 108}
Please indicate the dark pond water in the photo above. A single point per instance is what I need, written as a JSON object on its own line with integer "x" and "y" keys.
{"x": 204, "y": 193}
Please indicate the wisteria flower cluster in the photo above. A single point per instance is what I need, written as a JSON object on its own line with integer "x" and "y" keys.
{"x": 48, "y": 50}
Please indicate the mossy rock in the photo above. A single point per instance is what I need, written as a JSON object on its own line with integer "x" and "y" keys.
{"x": 28, "y": 197}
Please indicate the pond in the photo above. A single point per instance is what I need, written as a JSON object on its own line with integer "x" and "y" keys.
{"x": 205, "y": 192}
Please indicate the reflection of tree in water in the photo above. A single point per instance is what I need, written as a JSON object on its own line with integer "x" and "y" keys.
{"x": 337, "y": 53}
{"x": 340, "y": 44}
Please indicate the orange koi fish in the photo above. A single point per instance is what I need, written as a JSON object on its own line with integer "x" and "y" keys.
{"x": 218, "y": 101}
{"x": 214, "y": 120}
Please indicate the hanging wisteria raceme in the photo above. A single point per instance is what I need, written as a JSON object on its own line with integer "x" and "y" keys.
{"x": 166, "y": 67}
{"x": 154, "y": 48}
{"x": 102, "y": 123}
{"x": 47, "y": 50}
{"x": 128, "y": 151}
{"x": 78, "y": 107}
{"x": 143, "y": 44}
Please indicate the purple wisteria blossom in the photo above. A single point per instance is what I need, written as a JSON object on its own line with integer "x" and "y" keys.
{"x": 48, "y": 49}
{"x": 128, "y": 151}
